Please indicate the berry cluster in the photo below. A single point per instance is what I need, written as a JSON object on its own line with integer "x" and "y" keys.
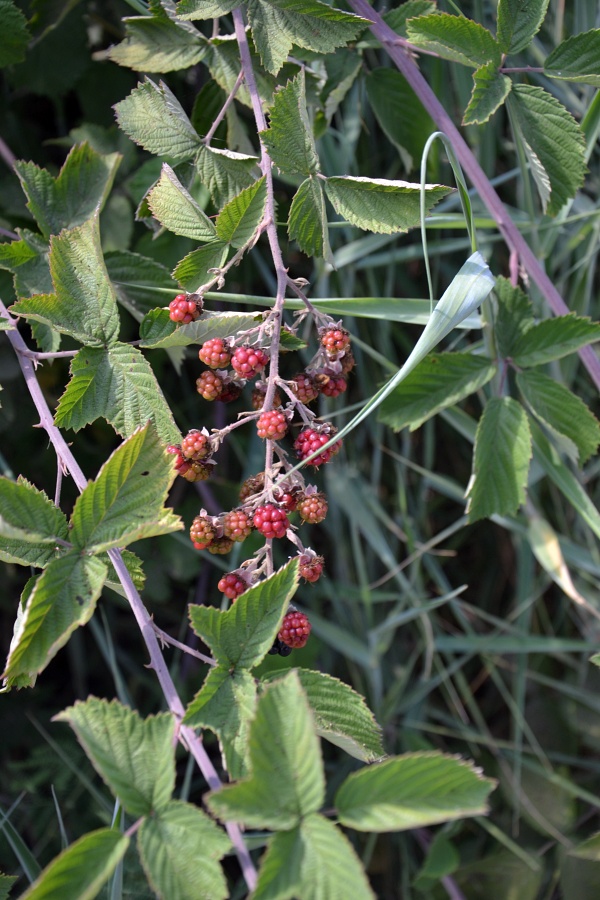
{"x": 267, "y": 500}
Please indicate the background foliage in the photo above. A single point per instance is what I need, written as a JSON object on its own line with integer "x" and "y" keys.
{"x": 472, "y": 638}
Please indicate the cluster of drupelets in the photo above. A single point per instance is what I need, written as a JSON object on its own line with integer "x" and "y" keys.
{"x": 268, "y": 498}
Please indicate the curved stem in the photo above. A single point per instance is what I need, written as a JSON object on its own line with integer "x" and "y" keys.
{"x": 66, "y": 459}
{"x": 479, "y": 179}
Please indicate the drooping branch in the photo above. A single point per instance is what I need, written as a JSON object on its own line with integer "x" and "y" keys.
{"x": 511, "y": 234}
{"x": 68, "y": 463}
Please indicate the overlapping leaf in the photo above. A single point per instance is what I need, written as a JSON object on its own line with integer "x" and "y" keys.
{"x": 289, "y": 138}
{"x": 307, "y": 221}
{"x": 125, "y": 502}
{"x": 294, "y": 775}
{"x": 439, "y": 381}
{"x": 225, "y": 173}
{"x": 31, "y": 525}
{"x": 194, "y": 269}
{"x": 84, "y": 304}
{"x": 153, "y": 117}
{"x": 490, "y": 90}
{"x": 158, "y": 43}
{"x": 158, "y": 330}
{"x": 14, "y": 35}
{"x": 519, "y": 22}
{"x": 454, "y": 37}
{"x": 238, "y": 221}
{"x": 176, "y": 209}
{"x": 117, "y": 384}
{"x": 553, "y": 339}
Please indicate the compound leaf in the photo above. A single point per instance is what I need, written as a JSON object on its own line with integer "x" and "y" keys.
{"x": 193, "y": 270}
{"x": 289, "y": 138}
{"x": 153, "y": 117}
{"x": 307, "y": 221}
{"x": 225, "y": 173}
{"x": 576, "y": 59}
{"x": 294, "y": 774}
{"x": 518, "y": 23}
{"x": 30, "y": 524}
{"x": 158, "y": 43}
{"x": 490, "y": 90}
{"x": 176, "y": 209}
{"x": 514, "y": 316}
{"x": 239, "y": 220}
{"x": 553, "y": 339}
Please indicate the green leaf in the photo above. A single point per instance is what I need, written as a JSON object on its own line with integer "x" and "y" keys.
{"x": 204, "y": 9}
{"x": 412, "y": 791}
{"x": 158, "y": 43}
{"x": 561, "y": 411}
{"x": 14, "y": 36}
{"x": 139, "y": 282}
{"x": 278, "y": 24}
{"x": 126, "y": 501}
{"x": 518, "y": 22}
{"x": 307, "y": 221}
{"x": 135, "y": 757}
{"x": 382, "y": 206}
{"x": 84, "y": 304}
{"x": 75, "y": 195}
{"x": 193, "y": 270}
{"x": 64, "y": 597}
{"x": 242, "y": 636}
{"x": 180, "y": 848}
{"x": 439, "y": 381}
{"x": 133, "y": 565}
{"x": 553, "y": 339}
{"x": 514, "y": 316}
{"x": 294, "y": 774}
{"x": 225, "y": 173}
{"x": 153, "y": 117}
{"x": 239, "y": 220}
{"x": 177, "y": 210}
{"x": 397, "y": 19}
{"x": 226, "y": 704}
{"x": 577, "y": 59}
{"x": 454, "y": 37}
{"x": 553, "y": 142}
{"x": 6, "y": 883}
{"x": 314, "y": 861}
{"x": 117, "y": 384}
{"x": 30, "y": 524}
{"x": 341, "y": 715}
{"x": 158, "y": 330}
{"x": 500, "y": 461}
{"x": 402, "y": 116}
{"x": 490, "y": 90}
{"x": 289, "y": 138}
{"x": 81, "y": 869}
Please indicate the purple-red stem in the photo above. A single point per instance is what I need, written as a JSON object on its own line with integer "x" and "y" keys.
{"x": 511, "y": 234}
{"x": 66, "y": 459}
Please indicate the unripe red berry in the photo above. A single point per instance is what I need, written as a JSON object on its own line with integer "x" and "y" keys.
{"x": 304, "y": 387}
{"x": 183, "y": 310}
{"x": 309, "y": 441}
{"x": 335, "y": 340}
{"x": 220, "y": 545}
{"x": 271, "y": 521}
{"x": 313, "y": 508}
{"x": 251, "y": 486}
{"x": 310, "y": 567}
{"x": 248, "y": 361}
{"x": 294, "y": 630}
{"x": 197, "y": 471}
{"x": 202, "y": 532}
{"x": 209, "y": 385}
{"x": 287, "y": 499}
{"x": 196, "y": 445}
{"x": 232, "y": 585}
{"x": 237, "y": 525}
{"x": 272, "y": 425}
{"x": 215, "y": 353}
{"x": 333, "y": 386}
